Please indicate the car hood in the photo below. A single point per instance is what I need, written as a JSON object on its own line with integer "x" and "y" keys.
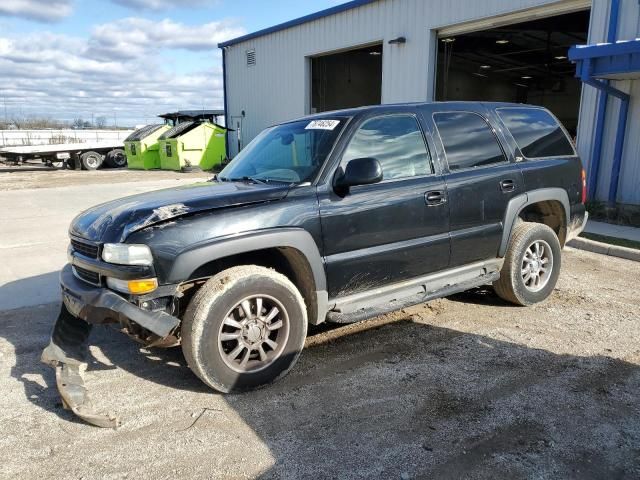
{"x": 114, "y": 221}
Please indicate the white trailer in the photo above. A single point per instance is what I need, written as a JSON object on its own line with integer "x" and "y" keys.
{"x": 88, "y": 156}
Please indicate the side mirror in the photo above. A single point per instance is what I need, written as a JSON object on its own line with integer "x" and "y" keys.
{"x": 360, "y": 171}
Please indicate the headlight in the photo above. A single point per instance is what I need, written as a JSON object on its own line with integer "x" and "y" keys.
{"x": 136, "y": 287}
{"x": 124, "y": 254}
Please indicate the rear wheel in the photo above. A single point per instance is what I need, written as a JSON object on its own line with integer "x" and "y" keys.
{"x": 531, "y": 266}
{"x": 91, "y": 160}
{"x": 116, "y": 158}
{"x": 245, "y": 327}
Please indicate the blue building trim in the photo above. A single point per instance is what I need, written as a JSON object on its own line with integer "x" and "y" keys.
{"x": 594, "y": 64}
{"x": 298, "y": 21}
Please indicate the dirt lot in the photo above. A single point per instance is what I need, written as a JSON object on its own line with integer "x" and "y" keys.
{"x": 466, "y": 387}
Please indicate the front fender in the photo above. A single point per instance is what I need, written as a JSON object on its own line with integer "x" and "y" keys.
{"x": 188, "y": 261}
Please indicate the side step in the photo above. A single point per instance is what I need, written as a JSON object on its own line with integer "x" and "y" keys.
{"x": 369, "y": 304}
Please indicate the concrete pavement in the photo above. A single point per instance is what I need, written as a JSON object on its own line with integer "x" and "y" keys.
{"x": 33, "y": 234}
{"x": 611, "y": 230}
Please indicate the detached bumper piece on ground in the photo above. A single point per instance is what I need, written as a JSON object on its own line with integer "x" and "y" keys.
{"x": 67, "y": 353}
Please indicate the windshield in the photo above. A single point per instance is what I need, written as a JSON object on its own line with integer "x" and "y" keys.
{"x": 291, "y": 153}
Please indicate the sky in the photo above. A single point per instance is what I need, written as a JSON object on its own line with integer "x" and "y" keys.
{"x": 126, "y": 60}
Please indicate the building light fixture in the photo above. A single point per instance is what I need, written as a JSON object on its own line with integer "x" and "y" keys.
{"x": 525, "y": 77}
{"x": 560, "y": 57}
{"x": 399, "y": 40}
{"x": 448, "y": 40}
{"x": 502, "y": 41}
{"x": 485, "y": 67}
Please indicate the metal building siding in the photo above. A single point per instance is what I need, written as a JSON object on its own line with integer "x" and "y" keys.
{"x": 276, "y": 88}
{"x": 628, "y": 191}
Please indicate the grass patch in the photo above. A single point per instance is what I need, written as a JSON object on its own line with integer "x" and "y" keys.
{"x": 621, "y": 242}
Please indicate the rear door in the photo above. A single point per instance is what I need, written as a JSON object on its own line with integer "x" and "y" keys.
{"x": 389, "y": 231}
{"x": 481, "y": 177}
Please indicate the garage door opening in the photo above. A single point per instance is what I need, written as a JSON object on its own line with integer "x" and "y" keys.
{"x": 346, "y": 79}
{"x": 522, "y": 62}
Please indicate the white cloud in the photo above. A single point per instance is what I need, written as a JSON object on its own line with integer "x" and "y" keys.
{"x": 120, "y": 70}
{"x": 39, "y": 10}
{"x": 157, "y": 5}
{"x": 134, "y": 37}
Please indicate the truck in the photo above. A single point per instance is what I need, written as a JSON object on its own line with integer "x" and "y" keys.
{"x": 335, "y": 217}
{"x": 85, "y": 156}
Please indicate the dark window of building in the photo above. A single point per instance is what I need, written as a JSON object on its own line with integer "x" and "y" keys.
{"x": 396, "y": 142}
{"x": 468, "y": 140}
{"x": 536, "y": 132}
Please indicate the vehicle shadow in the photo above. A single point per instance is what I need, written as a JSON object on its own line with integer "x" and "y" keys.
{"x": 409, "y": 398}
{"x": 393, "y": 397}
{"x": 482, "y": 295}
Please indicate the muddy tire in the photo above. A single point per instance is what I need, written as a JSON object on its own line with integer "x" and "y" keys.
{"x": 531, "y": 266}
{"x": 116, "y": 158}
{"x": 91, "y": 160}
{"x": 244, "y": 328}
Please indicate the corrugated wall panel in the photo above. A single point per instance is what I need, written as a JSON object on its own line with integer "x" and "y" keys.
{"x": 628, "y": 191}
{"x": 277, "y": 87}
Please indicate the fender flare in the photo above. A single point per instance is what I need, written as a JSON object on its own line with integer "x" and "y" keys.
{"x": 197, "y": 255}
{"x": 518, "y": 203}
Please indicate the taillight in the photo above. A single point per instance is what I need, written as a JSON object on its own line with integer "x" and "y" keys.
{"x": 584, "y": 186}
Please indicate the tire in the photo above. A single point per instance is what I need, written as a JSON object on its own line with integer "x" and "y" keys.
{"x": 216, "y": 310}
{"x": 116, "y": 158}
{"x": 91, "y": 160}
{"x": 524, "y": 262}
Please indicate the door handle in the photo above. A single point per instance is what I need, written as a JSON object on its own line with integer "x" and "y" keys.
{"x": 435, "y": 197}
{"x": 507, "y": 185}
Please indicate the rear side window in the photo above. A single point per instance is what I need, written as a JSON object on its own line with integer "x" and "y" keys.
{"x": 468, "y": 140}
{"x": 396, "y": 141}
{"x": 536, "y": 132}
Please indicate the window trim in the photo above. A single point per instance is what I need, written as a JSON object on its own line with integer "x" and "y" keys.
{"x": 393, "y": 114}
{"x": 491, "y": 129}
{"x": 564, "y": 130}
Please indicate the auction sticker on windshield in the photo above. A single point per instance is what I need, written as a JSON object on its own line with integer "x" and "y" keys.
{"x": 322, "y": 125}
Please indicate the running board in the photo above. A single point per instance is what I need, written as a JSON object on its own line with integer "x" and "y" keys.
{"x": 375, "y": 302}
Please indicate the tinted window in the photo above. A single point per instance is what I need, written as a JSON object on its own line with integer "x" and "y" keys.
{"x": 468, "y": 140}
{"x": 291, "y": 152}
{"x": 396, "y": 141}
{"x": 536, "y": 132}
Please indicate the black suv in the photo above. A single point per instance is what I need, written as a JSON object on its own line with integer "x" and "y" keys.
{"x": 335, "y": 217}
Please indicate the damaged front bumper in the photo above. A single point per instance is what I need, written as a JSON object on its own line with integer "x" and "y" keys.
{"x": 101, "y": 305}
{"x": 84, "y": 305}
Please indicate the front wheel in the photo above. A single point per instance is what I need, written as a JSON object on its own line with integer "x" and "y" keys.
{"x": 531, "y": 265}
{"x": 245, "y": 327}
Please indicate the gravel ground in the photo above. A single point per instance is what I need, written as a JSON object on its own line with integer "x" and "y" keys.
{"x": 464, "y": 387}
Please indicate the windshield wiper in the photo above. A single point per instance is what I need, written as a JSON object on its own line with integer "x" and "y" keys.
{"x": 245, "y": 179}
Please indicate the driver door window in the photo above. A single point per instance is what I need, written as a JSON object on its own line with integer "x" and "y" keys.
{"x": 396, "y": 141}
